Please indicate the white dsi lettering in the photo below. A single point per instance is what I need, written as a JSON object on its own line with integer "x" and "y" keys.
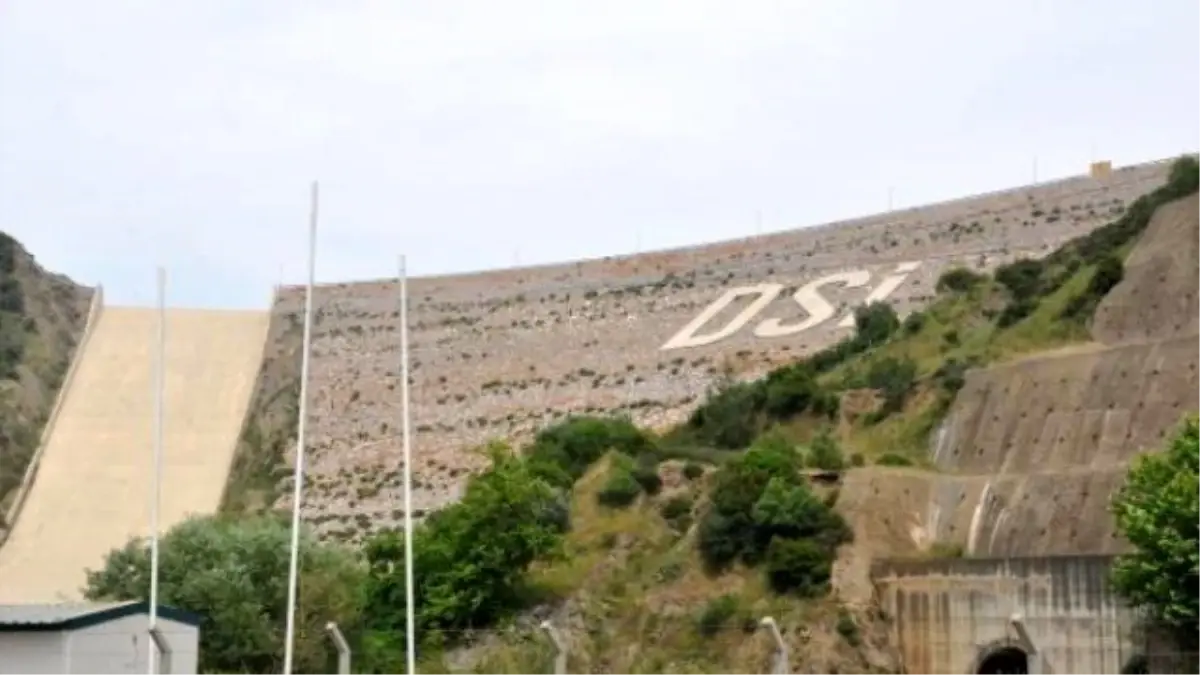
{"x": 815, "y": 306}
{"x": 884, "y": 290}
{"x": 687, "y": 337}
{"x": 817, "y": 309}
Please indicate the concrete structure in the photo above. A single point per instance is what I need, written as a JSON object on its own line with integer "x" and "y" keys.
{"x": 998, "y": 615}
{"x": 91, "y": 486}
{"x": 502, "y": 353}
{"x": 93, "y": 638}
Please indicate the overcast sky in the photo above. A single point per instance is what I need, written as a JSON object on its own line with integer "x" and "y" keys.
{"x": 477, "y": 134}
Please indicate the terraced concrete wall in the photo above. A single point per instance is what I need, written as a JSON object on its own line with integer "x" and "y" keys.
{"x": 1032, "y": 451}
{"x": 500, "y": 354}
{"x": 951, "y": 615}
{"x": 92, "y": 488}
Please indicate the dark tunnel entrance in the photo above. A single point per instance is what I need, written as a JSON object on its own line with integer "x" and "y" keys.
{"x": 1004, "y": 660}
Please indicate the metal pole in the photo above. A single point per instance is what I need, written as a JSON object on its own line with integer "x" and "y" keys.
{"x": 560, "y": 648}
{"x": 779, "y": 664}
{"x": 410, "y": 609}
{"x": 156, "y": 475}
{"x": 298, "y": 474}
{"x": 343, "y": 647}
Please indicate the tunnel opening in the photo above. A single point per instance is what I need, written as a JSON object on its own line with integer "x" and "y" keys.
{"x": 1004, "y": 660}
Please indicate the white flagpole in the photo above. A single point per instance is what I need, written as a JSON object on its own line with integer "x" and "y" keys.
{"x": 298, "y": 474}
{"x": 410, "y": 609}
{"x": 156, "y": 476}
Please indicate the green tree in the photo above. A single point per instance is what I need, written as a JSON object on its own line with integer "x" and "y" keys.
{"x": 874, "y": 323}
{"x": 469, "y": 559}
{"x": 1157, "y": 511}
{"x": 234, "y": 574}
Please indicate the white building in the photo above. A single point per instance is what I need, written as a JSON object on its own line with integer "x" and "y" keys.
{"x": 93, "y": 638}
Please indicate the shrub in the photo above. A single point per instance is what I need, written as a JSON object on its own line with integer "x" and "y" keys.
{"x": 874, "y": 323}
{"x": 914, "y": 322}
{"x": 951, "y": 375}
{"x": 1016, "y": 310}
{"x": 677, "y": 511}
{"x": 857, "y": 459}
{"x": 730, "y": 417}
{"x": 1108, "y": 273}
{"x": 560, "y": 454}
{"x": 958, "y": 280}
{"x": 716, "y": 614}
{"x": 620, "y": 489}
{"x": 470, "y": 559}
{"x": 727, "y": 530}
{"x": 798, "y": 566}
{"x": 893, "y": 459}
{"x": 847, "y": 627}
{"x": 1022, "y": 278}
{"x": 894, "y": 378}
{"x": 646, "y": 475}
{"x": 692, "y": 471}
{"x": 825, "y": 454}
{"x": 790, "y": 391}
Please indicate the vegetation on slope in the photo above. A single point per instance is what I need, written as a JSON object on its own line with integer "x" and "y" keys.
{"x": 260, "y": 465}
{"x": 42, "y": 317}
{"x": 656, "y": 566}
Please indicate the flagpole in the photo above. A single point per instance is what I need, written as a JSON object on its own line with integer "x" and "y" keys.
{"x": 298, "y": 473}
{"x": 156, "y": 476}
{"x": 410, "y": 609}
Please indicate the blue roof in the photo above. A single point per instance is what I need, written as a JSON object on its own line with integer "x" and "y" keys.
{"x": 75, "y": 615}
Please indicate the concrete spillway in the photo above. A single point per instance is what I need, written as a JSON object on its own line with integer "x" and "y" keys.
{"x": 92, "y": 487}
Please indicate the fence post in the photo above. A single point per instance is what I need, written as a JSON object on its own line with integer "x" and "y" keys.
{"x": 1033, "y": 658}
{"x": 164, "y": 651}
{"x": 779, "y": 663}
{"x": 343, "y": 647}
{"x": 560, "y": 648}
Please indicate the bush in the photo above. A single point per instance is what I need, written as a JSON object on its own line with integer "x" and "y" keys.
{"x": 727, "y": 530}
{"x": 913, "y": 323}
{"x": 893, "y": 459}
{"x": 847, "y": 627}
{"x": 825, "y": 454}
{"x": 874, "y": 323}
{"x": 620, "y": 489}
{"x": 646, "y": 475}
{"x": 1016, "y": 310}
{"x": 951, "y": 375}
{"x": 958, "y": 280}
{"x": 717, "y": 613}
{"x": 730, "y": 418}
{"x": 1108, "y": 273}
{"x": 677, "y": 511}
{"x": 560, "y": 454}
{"x": 798, "y": 566}
{"x": 692, "y": 471}
{"x": 1022, "y": 278}
{"x": 857, "y": 459}
{"x": 894, "y": 378}
{"x": 470, "y": 559}
{"x": 790, "y": 391}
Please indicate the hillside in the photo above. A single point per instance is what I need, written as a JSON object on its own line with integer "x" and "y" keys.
{"x": 655, "y": 511}
{"x": 42, "y": 316}
{"x": 996, "y": 421}
{"x": 504, "y": 353}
